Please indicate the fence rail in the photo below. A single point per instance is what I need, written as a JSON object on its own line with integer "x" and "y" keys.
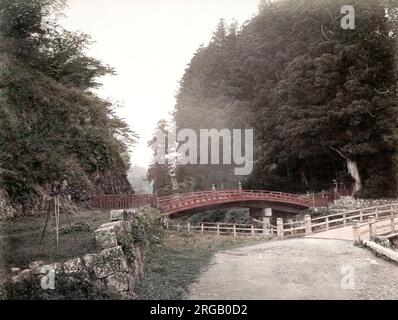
{"x": 337, "y": 220}
{"x": 124, "y": 201}
{"x": 374, "y": 227}
{"x": 224, "y": 229}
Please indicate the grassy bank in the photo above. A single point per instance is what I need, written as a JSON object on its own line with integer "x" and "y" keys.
{"x": 178, "y": 261}
{"x": 20, "y": 239}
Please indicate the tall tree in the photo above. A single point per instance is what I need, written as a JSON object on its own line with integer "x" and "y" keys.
{"x": 322, "y": 99}
{"x": 52, "y": 126}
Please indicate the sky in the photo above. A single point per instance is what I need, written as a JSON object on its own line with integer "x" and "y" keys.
{"x": 149, "y": 43}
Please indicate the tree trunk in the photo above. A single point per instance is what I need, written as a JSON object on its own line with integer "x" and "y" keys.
{"x": 352, "y": 168}
{"x": 304, "y": 179}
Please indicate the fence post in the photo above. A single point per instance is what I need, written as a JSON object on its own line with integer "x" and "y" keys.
{"x": 279, "y": 228}
{"x": 201, "y": 228}
{"x": 327, "y": 223}
{"x": 234, "y": 231}
{"x": 361, "y": 215}
{"x": 178, "y": 226}
{"x": 218, "y": 229}
{"x": 252, "y": 229}
{"x": 291, "y": 226}
{"x": 372, "y": 226}
{"x": 392, "y": 224}
{"x": 307, "y": 222}
{"x": 377, "y": 212}
{"x": 355, "y": 231}
{"x": 344, "y": 219}
{"x": 188, "y": 226}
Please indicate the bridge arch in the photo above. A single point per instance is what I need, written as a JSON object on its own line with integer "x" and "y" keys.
{"x": 199, "y": 201}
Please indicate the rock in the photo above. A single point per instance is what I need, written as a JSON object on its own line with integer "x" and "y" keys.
{"x": 116, "y": 226}
{"x": 138, "y": 263}
{"x": 106, "y": 238}
{"x": 37, "y": 267}
{"x": 118, "y": 282}
{"x": 109, "y": 261}
{"x": 117, "y": 215}
{"x": 57, "y": 267}
{"x": 95, "y": 263}
{"x": 129, "y": 214}
{"x": 115, "y": 259}
{"x": 14, "y": 270}
{"x": 23, "y": 275}
{"x": 74, "y": 266}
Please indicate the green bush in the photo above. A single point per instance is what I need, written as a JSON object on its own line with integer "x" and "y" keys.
{"x": 147, "y": 227}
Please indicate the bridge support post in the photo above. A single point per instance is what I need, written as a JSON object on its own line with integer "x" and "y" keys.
{"x": 279, "y": 228}
{"x": 307, "y": 222}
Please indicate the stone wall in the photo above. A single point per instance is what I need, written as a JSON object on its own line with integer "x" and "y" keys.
{"x": 110, "y": 268}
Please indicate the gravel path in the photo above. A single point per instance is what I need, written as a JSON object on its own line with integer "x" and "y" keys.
{"x": 298, "y": 269}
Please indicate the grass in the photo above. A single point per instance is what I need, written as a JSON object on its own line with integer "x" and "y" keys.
{"x": 177, "y": 263}
{"x": 171, "y": 265}
{"x": 19, "y": 239}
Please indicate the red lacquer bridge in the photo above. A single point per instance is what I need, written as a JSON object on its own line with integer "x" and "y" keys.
{"x": 205, "y": 200}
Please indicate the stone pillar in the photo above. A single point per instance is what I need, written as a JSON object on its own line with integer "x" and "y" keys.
{"x": 279, "y": 228}
{"x": 372, "y": 226}
{"x": 259, "y": 213}
{"x": 307, "y": 222}
{"x": 355, "y": 231}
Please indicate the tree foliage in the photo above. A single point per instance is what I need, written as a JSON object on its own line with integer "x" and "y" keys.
{"x": 321, "y": 99}
{"x": 53, "y": 127}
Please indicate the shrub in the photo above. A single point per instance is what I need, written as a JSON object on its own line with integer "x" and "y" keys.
{"x": 147, "y": 227}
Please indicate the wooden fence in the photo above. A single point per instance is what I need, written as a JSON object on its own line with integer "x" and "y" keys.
{"x": 312, "y": 225}
{"x": 385, "y": 220}
{"x": 374, "y": 227}
{"x": 123, "y": 201}
{"x": 234, "y": 230}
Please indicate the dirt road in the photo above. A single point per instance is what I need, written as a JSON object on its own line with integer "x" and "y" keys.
{"x": 298, "y": 269}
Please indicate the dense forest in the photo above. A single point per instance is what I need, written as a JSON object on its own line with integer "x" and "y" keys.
{"x": 320, "y": 98}
{"x": 54, "y": 129}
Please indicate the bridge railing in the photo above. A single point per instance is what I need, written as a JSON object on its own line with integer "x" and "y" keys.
{"x": 192, "y": 200}
{"x": 234, "y": 230}
{"x": 123, "y": 201}
{"x": 384, "y": 225}
{"x": 312, "y": 225}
